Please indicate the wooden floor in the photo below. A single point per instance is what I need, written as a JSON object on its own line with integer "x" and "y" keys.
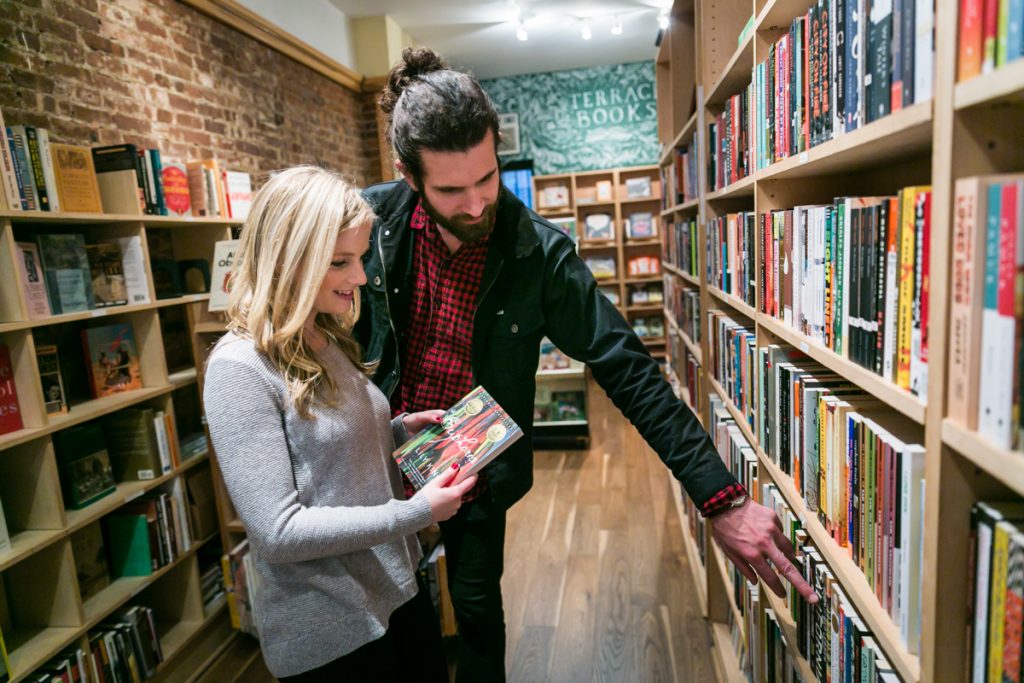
{"x": 596, "y": 582}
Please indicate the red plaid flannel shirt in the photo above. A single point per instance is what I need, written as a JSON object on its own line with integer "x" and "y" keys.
{"x": 721, "y": 500}
{"x": 436, "y": 368}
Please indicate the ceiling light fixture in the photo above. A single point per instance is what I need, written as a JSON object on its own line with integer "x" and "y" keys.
{"x": 617, "y": 27}
{"x": 585, "y": 32}
{"x": 663, "y": 20}
{"x": 521, "y": 32}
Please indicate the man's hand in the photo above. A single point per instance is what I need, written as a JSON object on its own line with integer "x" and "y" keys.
{"x": 750, "y": 536}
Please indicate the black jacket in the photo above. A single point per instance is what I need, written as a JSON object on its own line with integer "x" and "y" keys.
{"x": 534, "y": 285}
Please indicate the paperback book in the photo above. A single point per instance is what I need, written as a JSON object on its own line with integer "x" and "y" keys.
{"x": 472, "y": 433}
{"x": 113, "y": 359}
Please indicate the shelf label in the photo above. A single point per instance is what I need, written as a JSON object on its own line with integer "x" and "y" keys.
{"x": 804, "y": 347}
{"x": 803, "y": 157}
{"x": 132, "y": 496}
{"x": 96, "y": 313}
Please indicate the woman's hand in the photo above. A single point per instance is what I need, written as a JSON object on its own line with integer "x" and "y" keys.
{"x": 416, "y": 422}
{"x": 444, "y": 495}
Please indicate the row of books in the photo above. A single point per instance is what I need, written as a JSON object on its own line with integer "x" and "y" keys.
{"x": 856, "y": 468}
{"x": 39, "y": 175}
{"x": 124, "y": 649}
{"x": 649, "y": 327}
{"x": 986, "y": 384}
{"x": 996, "y": 591}
{"x": 730, "y": 254}
{"x": 680, "y": 177}
{"x": 551, "y": 405}
{"x": 520, "y": 183}
{"x": 683, "y": 303}
{"x": 990, "y": 36}
{"x": 840, "y": 66}
{"x": 211, "y": 587}
{"x": 831, "y": 636}
{"x": 853, "y": 275}
{"x": 600, "y": 227}
{"x": 645, "y": 294}
{"x": 729, "y": 158}
{"x": 679, "y": 245}
{"x": 241, "y": 583}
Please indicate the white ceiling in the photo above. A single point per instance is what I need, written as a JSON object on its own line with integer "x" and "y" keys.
{"x": 481, "y": 36}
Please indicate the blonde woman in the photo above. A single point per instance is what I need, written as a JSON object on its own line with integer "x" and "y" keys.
{"x": 304, "y": 440}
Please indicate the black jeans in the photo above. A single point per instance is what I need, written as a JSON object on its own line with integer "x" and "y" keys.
{"x": 474, "y": 548}
{"x": 410, "y": 650}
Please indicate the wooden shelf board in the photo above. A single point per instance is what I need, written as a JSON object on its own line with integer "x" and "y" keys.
{"x": 725, "y": 654}
{"x": 788, "y": 627}
{"x": 644, "y": 242}
{"x": 580, "y": 206}
{"x": 183, "y": 378}
{"x": 734, "y": 302}
{"x": 235, "y": 525}
{"x": 879, "y": 387}
{"x": 645, "y": 308}
{"x": 126, "y": 491}
{"x": 83, "y": 412}
{"x": 652, "y": 341}
{"x": 1006, "y": 466}
{"x": 175, "y": 641}
{"x": 691, "y": 205}
{"x": 642, "y": 279}
{"x": 681, "y": 273}
{"x": 680, "y": 140}
{"x": 564, "y": 373}
{"x": 567, "y": 211}
{"x": 30, "y": 648}
{"x": 723, "y": 570}
{"x": 849, "y": 575}
{"x": 104, "y": 218}
{"x": 779, "y": 14}
{"x": 595, "y": 245}
{"x": 898, "y": 136}
{"x": 744, "y": 187}
{"x": 737, "y": 414}
{"x": 100, "y": 313}
{"x": 640, "y": 200}
{"x": 213, "y": 327}
{"x": 1003, "y": 85}
{"x": 26, "y": 543}
{"x": 735, "y": 75}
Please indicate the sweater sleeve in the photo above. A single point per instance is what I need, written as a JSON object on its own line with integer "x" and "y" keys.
{"x": 246, "y": 422}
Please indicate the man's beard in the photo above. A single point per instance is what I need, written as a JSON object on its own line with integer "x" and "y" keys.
{"x": 460, "y": 225}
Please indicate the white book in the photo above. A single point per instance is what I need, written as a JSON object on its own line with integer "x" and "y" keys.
{"x": 912, "y": 536}
{"x": 134, "y": 265}
{"x": 238, "y": 187}
{"x": 223, "y": 258}
{"x": 33, "y": 283}
{"x": 8, "y": 176}
{"x": 5, "y": 537}
{"x": 924, "y": 50}
{"x": 163, "y": 444}
{"x": 844, "y": 329}
{"x": 46, "y": 160}
{"x": 997, "y": 333}
{"x": 892, "y": 295}
{"x": 178, "y": 492}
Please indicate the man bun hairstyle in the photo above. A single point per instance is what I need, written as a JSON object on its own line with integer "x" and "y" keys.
{"x": 434, "y": 107}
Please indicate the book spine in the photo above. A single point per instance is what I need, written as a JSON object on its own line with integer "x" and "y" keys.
{"x": 906, "y": 294}
{"x": 907, "y": 52}
{"x": 970, "y": 47}
{"x": 36, "y": 163}
{"x": 46, "y": 159}
{"x": 997, "y": 602}
{"x": 989, "y": 28}
{"x": 30, "y": 201}
{"x": 8, "y": 169}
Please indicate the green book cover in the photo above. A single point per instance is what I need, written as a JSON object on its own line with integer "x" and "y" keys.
{"x": 128, "y": 540}
{"x": 84, "y": 465}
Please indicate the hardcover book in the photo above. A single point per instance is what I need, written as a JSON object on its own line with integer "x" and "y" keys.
{"x": 90, "y": 560}
{"x": 117, "y": 174}
{"x": 32, "y": 281}
{"x": 105, "y": 264}
{"x": 10, "y": 412}
{"x": 66, "y": 266}
{"x": 238, "y": 191}
{"x": 638, "y": 188}
{"x": 598, "y": 226}
{"x": 75, "y": 177}
{"x": 472, "y": 433}
{"x": 112, "y": 359}
{"x": 640, "y": 225}
{"x": 176, "y": 193}
{"x": 54, "y": 396}
{"x": 84, "y": 465}
{"x": 223, "y": 257}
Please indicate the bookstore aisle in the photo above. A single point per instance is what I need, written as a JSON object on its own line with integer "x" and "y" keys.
{"x": 845, "y": 308}
{"x": 597, "y": 582}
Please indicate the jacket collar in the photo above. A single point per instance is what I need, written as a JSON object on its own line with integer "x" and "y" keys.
{"x": 513, "y": 228}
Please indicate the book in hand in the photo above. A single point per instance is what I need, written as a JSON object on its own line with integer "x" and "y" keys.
{"x": 472, "y": 433}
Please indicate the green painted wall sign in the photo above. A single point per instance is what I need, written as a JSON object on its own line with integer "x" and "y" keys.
{"x": 582, "y": 119}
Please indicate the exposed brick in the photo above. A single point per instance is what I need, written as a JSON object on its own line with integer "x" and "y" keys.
{"x": 158, "y": 73}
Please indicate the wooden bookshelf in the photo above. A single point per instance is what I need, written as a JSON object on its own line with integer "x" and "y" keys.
{"x": 964, "y": 129}
{"x": 41, "y": 608}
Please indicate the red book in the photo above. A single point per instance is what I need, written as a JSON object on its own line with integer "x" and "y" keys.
{"x": 970, "y": 39}
{"x": 989, "y": 28}
{"x": 10, "y": 412}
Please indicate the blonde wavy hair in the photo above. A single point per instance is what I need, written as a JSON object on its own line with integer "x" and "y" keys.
{"x": 287, "y": 244}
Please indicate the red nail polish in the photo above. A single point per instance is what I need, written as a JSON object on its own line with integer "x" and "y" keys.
{"x": 455, "y": 465}
{"x": 438, "y": 418}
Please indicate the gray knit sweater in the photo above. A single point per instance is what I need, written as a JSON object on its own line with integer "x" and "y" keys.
{"x": 321, "y": 500}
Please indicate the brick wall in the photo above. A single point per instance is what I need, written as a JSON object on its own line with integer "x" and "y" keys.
{"x": 160, "y": 74}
